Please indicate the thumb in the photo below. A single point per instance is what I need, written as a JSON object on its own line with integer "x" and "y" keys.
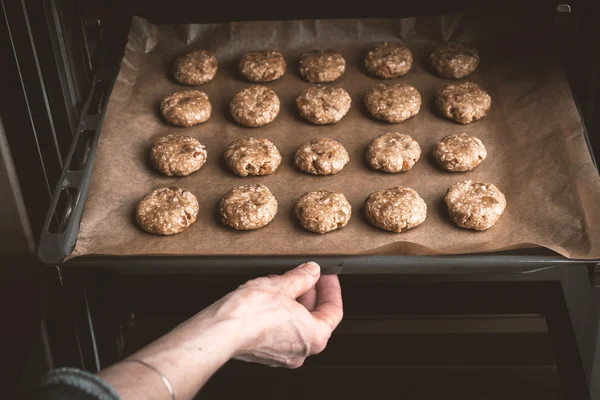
{"x": 301, "y": 279}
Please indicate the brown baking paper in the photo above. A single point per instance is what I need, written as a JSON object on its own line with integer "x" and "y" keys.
{"x": 534, "y": 136}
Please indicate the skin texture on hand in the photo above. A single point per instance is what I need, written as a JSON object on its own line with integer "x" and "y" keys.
{"x": 275, "y": 320}
{"x": 280, "y": 330}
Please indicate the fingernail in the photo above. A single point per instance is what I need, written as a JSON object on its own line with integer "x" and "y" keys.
{"x": 312, "y": 267}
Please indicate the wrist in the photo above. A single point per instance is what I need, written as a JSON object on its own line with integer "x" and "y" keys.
{"x": 189, "y": 354}
{"x": 214, "y": 334}
{"x": 244, "y": 312}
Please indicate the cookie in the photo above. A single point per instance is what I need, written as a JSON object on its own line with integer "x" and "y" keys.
{"x": 321, "y": 157}
{"x": 323, "y": 211}
{"x": 459, "y": 152}
{"x": 248, "y": 207}
{"x": 475, "y": 205}
{"x": 393, "y": 152}
{"x": 394, "y": 102}
{"x": 323, "y": 104}
{"x": 389, "y": 60}
{"x": 177, "y": 155}
{"x": 455, "y": 60}
{"x": 195, "y": 68}
{"x": 186, "y": 108}
{"x": 250, "y": 156}
{"x": 167, "y": 211}
{"x": 322, "y": 66}
{"x": 397, "y": 209}
{"x": 463, "y": 102}
{"x": 255, "y": 106}
{"x": 262, "y": 66}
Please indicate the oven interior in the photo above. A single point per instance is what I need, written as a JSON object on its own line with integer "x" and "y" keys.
{"x": 419, "y": 337}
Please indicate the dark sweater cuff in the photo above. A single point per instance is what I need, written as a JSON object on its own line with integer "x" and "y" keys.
{"x": 81, "y": 380}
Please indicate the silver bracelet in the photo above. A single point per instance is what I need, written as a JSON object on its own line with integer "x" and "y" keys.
{"x": 164, "y": 378}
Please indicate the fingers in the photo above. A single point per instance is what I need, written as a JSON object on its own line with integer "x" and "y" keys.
{"x": 330, "y": 309}
{"x": 300, "y": 280}
{"x": 309, "y": 299}
{"x": 290, "y": 363}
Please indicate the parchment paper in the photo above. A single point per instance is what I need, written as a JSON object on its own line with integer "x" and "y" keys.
{"x": 536, "y": 150}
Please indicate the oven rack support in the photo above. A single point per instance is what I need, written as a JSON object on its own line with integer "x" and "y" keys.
{"x": 61, "y": 226}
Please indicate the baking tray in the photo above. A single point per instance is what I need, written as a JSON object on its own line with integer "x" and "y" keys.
{"x": 54, "y": 247}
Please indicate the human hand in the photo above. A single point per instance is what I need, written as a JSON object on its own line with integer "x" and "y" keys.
{"x": 277, "y": 321}
{"x": 286, "y": 318}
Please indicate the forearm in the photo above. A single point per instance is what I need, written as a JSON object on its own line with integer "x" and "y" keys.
{"x": 187, "y": 356}
{"x": 276, "y": 320}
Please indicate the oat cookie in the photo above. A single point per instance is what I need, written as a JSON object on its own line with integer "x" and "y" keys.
{"x": 394, "y": 102}
{"x": 397, "y": 209}
{"x": 262, "y": 66}
{"x": 195, "y": 68}
{"x": 255, "y": 106}
{"x": 475, "y": 205}
{"x": 393, "y": 152}
{"x": 323, "y": 211}
{"x": 321, "y": 157}
{"x": 459, "y": 152}
{"x": 323, "y": 104}
{"x": 463, "y": 102}
{"x": 186, "y": 108}
{"x": 248, "y": 207}
{"x": 389, "y": 60}
{"x": 322, "y": 66}
{"x": 250, "y": 156}
{"x": 167, "y": 211}
{"x": 177, "y": 155}
{"x": 455, "y": 60}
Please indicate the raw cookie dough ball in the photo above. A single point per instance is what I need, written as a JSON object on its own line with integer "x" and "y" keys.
{"x": 322, "y": 66}
{"x": 396, "y": 209}
{"x": 322, "y": 157}
{"x": 323, "y": 211}
{"x": 455, "y": 60}
{"x": 394, "y": 102}
{"x": 262, "y": 66}
{"x": 475, "y": 205}
{"x": 389, "y": 60}
{"x": 459, "y": 152}
{"x": 248, "y": 207}
{"x": 186, "y": 108}
{"x": 177, "y": 155}
{"x": 323, "y": 104}
{"x": 463, "y": 102}
{"x": 195, "y": 68}
{"x": 250, "y": 156}
{"x": 255, "y": 106}
{"x": 393, "y": 152}
{"x": 167, "y": 211}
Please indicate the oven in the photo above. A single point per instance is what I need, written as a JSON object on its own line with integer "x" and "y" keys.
{"x": 517, "y": 323}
